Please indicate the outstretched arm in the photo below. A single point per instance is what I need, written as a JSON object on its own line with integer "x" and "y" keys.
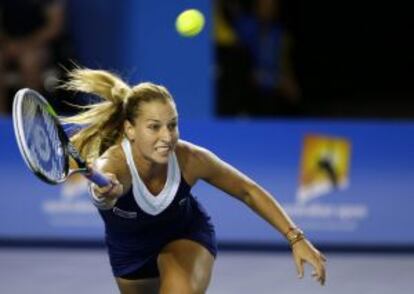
{"x": 228, "y": 179}
{"x": 112, "y": 165}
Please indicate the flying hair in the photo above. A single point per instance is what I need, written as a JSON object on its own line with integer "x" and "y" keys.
{"x": 103, "y": 121}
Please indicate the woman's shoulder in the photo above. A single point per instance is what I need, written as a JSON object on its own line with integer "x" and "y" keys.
{"x": 187, "y": 151}
{"x": 190, "y": 158}
{"x": 113, "y": 160}
{"x": 114, "y": 154}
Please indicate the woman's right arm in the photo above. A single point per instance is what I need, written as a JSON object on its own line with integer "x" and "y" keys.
{"x": 112, "y": 165}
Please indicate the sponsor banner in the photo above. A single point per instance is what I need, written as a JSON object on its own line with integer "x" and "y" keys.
{"x": 344, "y": 183}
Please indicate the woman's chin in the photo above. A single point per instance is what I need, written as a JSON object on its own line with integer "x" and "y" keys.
{"x": 161, "y": 158}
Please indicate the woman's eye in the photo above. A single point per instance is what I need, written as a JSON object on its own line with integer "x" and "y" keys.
{"x": 154, "y": 127}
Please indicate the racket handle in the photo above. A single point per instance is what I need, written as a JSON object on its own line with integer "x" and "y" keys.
{"x": 97, "y": 178}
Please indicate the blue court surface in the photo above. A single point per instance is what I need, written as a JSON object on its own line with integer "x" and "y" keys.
{"x": 68, "y": 271}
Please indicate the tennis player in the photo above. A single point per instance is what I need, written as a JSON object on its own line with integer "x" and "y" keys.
{"x": 159, "y": 238}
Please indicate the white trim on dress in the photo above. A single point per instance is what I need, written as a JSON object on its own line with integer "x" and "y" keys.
{"x": 149, "y": 203}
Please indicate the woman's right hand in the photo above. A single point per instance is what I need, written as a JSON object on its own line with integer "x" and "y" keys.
{"x": 112, "y": 191}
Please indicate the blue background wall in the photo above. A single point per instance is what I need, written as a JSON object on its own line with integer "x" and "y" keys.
{"x": 376, "y": 207}
{"x": 138, "y": 40}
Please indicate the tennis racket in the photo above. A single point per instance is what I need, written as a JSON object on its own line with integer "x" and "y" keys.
{"x": 43, "y": 143}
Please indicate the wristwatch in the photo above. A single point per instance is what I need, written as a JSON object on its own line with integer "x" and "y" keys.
{"x": 294, "y": 235}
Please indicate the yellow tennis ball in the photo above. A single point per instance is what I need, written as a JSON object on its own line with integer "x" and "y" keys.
{"x": 189, "y": 23}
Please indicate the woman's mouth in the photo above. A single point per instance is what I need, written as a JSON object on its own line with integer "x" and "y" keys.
{"x": 162, "y": 149}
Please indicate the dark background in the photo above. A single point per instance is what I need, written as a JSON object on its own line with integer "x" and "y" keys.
{"x": 353, "y": 58}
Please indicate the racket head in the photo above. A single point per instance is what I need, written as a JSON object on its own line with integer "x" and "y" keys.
{"x": 40, "y": 137}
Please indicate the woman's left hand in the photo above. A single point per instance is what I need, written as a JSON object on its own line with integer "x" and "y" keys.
{"x": 303, "y": 251}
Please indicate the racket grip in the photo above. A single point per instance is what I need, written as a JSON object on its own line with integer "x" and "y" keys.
{"x": 98, "y": 178}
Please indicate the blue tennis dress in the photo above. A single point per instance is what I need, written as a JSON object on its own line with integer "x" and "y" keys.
{"x": 141, "y": 224}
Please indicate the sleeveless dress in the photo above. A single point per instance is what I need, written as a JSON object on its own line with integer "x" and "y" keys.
{"x": 141, "y": 224}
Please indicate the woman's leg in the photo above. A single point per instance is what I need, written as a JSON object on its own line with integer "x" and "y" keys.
{"x": 185, "y": 268}
{"x": 142, "y": 286}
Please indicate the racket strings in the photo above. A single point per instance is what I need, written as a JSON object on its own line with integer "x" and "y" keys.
{"x": 43, "y": 139}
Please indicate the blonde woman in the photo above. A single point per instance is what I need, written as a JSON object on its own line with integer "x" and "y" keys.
{"x": 159, "y": 238}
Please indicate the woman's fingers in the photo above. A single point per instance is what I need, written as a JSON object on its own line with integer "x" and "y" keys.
{"x": 320, "y": 272}
{"x": 299, "y": 267}
{"x": 307, "y": 253}
{"x": 113, "y": 189}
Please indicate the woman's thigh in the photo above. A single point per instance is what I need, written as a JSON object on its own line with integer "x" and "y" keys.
{"x": 142, "y": 286}
{"x": 185, "y": 267}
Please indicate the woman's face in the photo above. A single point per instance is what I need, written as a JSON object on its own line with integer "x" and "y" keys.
{"x": 155, "y": 133}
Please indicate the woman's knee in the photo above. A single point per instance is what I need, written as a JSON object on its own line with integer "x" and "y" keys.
{"x": 185, "y": 266}
{"x": 182, "y": 284}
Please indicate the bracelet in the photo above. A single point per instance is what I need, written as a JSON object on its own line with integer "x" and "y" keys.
{"x": 101, "y": 202}
{"x": 294, "y": 235}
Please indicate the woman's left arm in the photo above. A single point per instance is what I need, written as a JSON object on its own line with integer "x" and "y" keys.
{"x": 230, "y": 180}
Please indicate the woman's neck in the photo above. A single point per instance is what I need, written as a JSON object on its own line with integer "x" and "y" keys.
{"x": 148, "y": 169}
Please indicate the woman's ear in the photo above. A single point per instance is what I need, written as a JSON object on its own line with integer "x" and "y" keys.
{"x": 129, "y": 130}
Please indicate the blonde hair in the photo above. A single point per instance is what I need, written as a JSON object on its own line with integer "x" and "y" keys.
{"x": 103, "y": 121}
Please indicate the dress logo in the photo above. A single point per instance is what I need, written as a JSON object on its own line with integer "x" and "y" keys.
{"x": 124, "y": 213}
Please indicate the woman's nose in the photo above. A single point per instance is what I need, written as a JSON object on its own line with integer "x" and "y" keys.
{"x": 166, "y": 135}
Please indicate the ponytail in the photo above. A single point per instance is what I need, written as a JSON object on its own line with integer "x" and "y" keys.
{"x": 102, "y": 121}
